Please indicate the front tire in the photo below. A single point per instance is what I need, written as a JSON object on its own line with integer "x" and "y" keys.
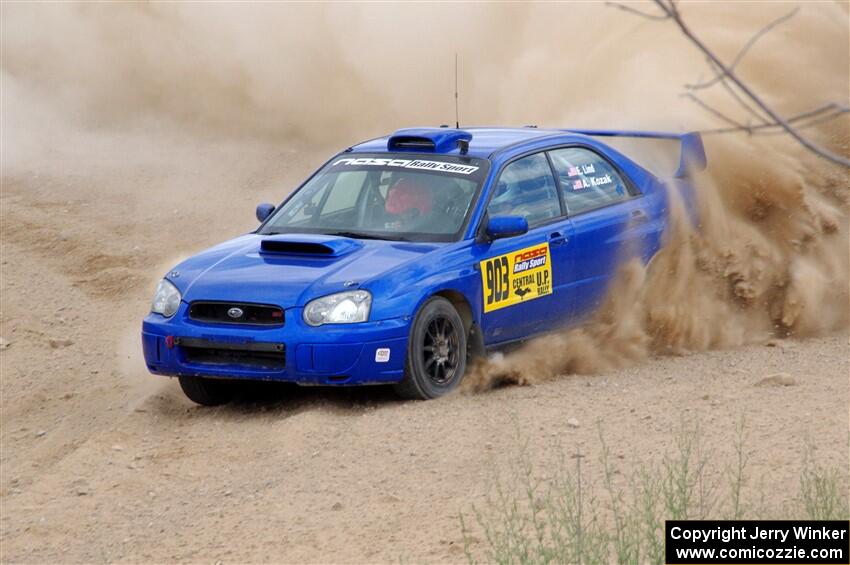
{"x": 208, "y": 392}
{"x": 436, "y": 352}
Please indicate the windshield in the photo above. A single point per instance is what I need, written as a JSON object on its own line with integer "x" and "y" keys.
{"x": 398, "y": 197}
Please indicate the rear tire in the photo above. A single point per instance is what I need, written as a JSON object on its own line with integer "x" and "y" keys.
{"x": 436, "y": 352}
{"x": 208, "y": 392}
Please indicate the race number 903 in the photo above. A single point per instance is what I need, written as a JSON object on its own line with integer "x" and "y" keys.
{"x": 497, "y": 280}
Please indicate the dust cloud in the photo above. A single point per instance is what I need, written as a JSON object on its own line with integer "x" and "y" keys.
{"x": 769, "y": 258}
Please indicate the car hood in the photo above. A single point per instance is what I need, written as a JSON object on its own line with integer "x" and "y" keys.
{"x": 289, "y": 270}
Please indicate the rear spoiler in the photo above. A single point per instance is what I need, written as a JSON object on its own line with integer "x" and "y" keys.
{"x": 692, "y": 153}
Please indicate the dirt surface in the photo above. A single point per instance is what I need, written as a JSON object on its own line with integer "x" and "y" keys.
{"x": 135, "y": 136}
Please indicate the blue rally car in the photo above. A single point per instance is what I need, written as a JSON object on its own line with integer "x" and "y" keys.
{"x": 405, "y": 256}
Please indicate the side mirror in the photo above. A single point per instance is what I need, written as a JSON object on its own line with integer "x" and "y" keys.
{"x": 264, "y": 211}
{"x": 506, "y": 226}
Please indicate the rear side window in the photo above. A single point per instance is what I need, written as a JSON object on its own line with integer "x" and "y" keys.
{"x": 588, "y": 180}
{"x": 526, "y": 188}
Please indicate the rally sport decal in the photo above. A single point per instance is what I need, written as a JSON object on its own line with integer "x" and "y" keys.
{"x": 516, "y": 277}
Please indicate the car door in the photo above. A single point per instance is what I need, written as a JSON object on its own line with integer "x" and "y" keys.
{"x": 608, "y": 218}
{"x": 520, "y": 276}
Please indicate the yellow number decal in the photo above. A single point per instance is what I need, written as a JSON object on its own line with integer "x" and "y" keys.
{"x": 516, "y": 277}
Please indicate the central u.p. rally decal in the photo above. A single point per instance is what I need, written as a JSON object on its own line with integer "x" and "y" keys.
{"x": 516, "y": 277}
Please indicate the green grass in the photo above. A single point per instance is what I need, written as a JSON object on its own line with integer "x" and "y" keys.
{"x": 567, "y": 515}
{"x": 823, "y": 491}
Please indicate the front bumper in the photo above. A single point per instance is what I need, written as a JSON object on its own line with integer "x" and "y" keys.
{"x": 344, "y": 354}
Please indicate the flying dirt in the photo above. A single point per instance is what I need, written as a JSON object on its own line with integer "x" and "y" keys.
{"x": 136, "y": 135}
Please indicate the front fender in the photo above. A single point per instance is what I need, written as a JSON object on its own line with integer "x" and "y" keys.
{"x": 402, "y": 294}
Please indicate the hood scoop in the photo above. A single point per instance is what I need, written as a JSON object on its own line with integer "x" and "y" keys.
{"x": 308, "y": 245}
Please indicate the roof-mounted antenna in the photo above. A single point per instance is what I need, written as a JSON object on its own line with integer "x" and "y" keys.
{"x": 457, "y": 114}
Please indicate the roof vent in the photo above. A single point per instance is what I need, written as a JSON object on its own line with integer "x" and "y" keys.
{"x": 412, "y": 143}
{"x": 428, "y": 140}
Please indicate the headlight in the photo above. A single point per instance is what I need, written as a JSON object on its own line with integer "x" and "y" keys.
{"x": 342, "y": 308}
{"x": 166, "y": 300}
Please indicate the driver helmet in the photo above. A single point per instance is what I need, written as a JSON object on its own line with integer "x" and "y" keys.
{"x": 407, "y": 195}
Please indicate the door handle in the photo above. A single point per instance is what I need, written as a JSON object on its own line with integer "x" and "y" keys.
{"x": 557, "y": 238}
{"x": 639, "y": 216}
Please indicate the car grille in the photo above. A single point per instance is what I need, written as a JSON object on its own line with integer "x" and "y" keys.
{"x": 222, "y": 313}
{"x": 256, "y": 355}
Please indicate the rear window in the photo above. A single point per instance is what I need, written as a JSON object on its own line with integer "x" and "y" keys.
{"x": 587, "y": 180}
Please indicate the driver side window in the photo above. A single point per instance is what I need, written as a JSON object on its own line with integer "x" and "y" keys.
{"x": 526, "y": 188}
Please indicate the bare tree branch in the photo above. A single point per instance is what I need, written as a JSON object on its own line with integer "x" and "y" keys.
{"x": 637, "y": 12}
{"x": 718, "y": 72}
{"x": 743, "y": 103}
{"x": 670, "y": 9}
{"x": 717, "y": 113}
{"x": 758, "y": 35}
{"x": 735, "y": 96}
{"x": 807, "y": 125}
{"x": 720, "y": 76}
{"x": 832, "y": 108}
{"x": 822, "y": 114}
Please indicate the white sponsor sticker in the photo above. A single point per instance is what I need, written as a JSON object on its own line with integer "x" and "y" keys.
{"x": 440, "y": 166}
{"x": 382, "y": 355}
